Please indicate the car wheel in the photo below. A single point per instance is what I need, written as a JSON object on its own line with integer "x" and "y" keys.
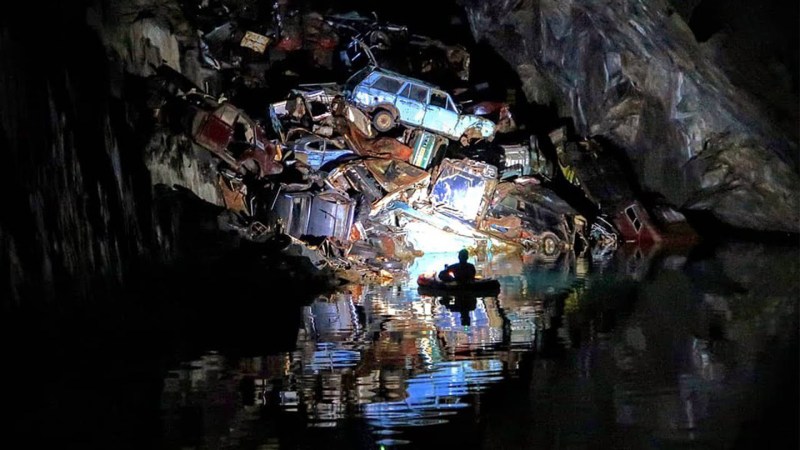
{"x": 383, "y": 121}
{"x": 549, "y": 244}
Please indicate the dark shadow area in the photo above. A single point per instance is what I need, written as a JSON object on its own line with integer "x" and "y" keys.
{"x": 758, "y": 47}
{"x": 712, "y": 229}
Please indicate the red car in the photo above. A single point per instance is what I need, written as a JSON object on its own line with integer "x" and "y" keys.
{"x": 234, "y": 137}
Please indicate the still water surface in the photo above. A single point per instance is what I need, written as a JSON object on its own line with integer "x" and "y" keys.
{"x": 643, "y": 350}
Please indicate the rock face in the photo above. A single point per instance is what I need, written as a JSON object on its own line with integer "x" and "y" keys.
{"x": 80, "y": 214}
{"x": 75, "y": 218}
{"x": 633, "y": 72}
{"x": 139, "y": 35}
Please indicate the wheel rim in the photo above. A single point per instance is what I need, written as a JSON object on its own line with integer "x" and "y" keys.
{"x": 383, "y": 121}
{"x": 549, "y": 245}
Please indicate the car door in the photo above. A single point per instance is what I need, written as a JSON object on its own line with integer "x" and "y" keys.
{"x": 440, "y": 114}
{"x": 411, "y": 103}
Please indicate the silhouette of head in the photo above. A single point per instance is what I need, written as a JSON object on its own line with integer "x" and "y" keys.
{"x": 463, "y": 255}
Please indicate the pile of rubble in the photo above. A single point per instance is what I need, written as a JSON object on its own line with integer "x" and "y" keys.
{"x": 361, "y": 177}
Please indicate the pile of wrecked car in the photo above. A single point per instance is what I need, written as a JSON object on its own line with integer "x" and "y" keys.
{"x": 361, "y": 177}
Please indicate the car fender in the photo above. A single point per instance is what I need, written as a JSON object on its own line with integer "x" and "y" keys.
{"x": 387, "y": 106}
{"x": 466, "y": 122}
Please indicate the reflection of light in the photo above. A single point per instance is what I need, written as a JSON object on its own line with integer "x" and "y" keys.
{"x": 432, "y": 395}
{"x": 327, "y": 356}
{"x": 430, "y": 239}
{"x": 522, "y": 326}
{"x": 325, "y": 317}
{"x": 426, "y": 350}
{"x": 480, "y": 333}
{"x": 430, "y": 264}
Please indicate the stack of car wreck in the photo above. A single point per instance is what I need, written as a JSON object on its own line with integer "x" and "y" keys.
{"x": 362, "y": 177}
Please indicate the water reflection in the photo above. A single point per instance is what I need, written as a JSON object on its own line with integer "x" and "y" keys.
{"x": 645, "y": 347}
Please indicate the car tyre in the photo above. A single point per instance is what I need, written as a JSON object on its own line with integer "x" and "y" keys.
{"x": 549, "y": 244}
{"x": 383, "y": 120}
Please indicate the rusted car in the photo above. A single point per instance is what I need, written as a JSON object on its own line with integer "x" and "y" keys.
{"x": 535, "y": 217}
{"x": 316, "y": 151}
{"x": 380, "y": 181}
{"x": 306, "y": 107}
{"x": 390, "y": 97}
{"x": 463, "y": 189}
{"x": 526, "y": 214}
{"x": 381, "y": 147}
{"x": 234, "y": 137}
{"x": 592, "y": 166}
{"x": 512, "y": 160}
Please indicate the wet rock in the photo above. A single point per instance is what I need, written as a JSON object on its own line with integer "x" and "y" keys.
{"x": 745, "y": 184}
{"x": 634, "y": 73}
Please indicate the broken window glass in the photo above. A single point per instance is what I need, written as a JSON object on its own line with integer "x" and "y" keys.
{"x": 438, "y": 99}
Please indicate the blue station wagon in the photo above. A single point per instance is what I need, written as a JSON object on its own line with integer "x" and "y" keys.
{"x": 391, "y": 98}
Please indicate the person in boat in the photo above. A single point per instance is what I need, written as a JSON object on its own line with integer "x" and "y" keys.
{"x": 463, "y": 272}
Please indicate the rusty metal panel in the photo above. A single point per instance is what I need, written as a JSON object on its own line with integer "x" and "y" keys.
{"x": 294, "y": 209}
{"x": 635, "y": 225}
{"x": 393, "y": 175}
{"x": 234, "y": 193}
{"x": 254, "y": 41}
{"x": 362, "y": 181}
{"x": 331, "y": 215}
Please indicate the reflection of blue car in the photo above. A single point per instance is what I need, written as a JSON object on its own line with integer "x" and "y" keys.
{"x": 391, "y": 97}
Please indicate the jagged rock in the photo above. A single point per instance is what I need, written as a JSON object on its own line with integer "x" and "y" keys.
{"x": 140, "y": 35}
{"x": 173, "y": 160}
{"x": 634, "y": 73}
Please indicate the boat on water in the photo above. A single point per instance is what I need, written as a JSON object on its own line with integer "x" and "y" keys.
{"x": 429, "y": 284}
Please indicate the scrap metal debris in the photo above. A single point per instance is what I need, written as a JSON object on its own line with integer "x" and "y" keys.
{"x": 362, "y": 176}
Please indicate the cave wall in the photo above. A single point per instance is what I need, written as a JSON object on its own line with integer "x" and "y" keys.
{"x": 634, "y": 72}
{"x": 75, "y": 218}
{"x": 80, "y": 202}
{"x": 79, "y": 215}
